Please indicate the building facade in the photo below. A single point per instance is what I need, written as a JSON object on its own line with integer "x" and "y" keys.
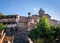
{"x": 30, "y": 21}
{"x": 16, "y": 23}
{"x": 23, "y": 22}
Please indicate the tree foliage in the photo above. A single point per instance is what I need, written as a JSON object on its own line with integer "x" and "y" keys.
{"x": 50, "y": 34}
{"x": 2, "y": 26}
{"x": 42, "y": 30}
{"x": 34, "y": 34}
{"x": 43, "y": 27}
{"x": 1, "y": 14}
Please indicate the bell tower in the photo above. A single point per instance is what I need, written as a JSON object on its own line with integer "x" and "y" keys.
{"x": 29, "y": 14}
{"x": 41, "y": 12}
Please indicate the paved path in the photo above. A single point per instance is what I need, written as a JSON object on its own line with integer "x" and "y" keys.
{"x": 21, "y": 37}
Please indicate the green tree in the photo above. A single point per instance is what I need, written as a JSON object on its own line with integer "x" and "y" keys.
{"x": 1, "y": 14}
{"x": 43, "y": 27}
{"x": 33, "y": 34}
{"x": 57, "y": 34}
{"x": 48, "y": 34}
{"x": 51, "y": 34}
{"x": 2, "y": 26}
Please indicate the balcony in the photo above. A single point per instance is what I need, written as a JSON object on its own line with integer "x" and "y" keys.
{"x": 7, "y": 20}
{"x": 11, "y": 25}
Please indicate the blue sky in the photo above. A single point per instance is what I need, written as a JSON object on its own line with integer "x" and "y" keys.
{"x": 22, "y": 7}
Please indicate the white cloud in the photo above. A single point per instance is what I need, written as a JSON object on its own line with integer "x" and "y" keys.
{"x": 35, "y": 9}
